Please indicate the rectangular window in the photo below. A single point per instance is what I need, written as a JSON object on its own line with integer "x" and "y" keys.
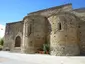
{"x": 59, "y": 26}
{"x": 27, "y": 29}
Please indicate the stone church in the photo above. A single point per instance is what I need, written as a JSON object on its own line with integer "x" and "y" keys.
{"x": 62, "y": 27}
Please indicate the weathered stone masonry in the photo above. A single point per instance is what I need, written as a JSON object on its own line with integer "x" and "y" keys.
{"x": 13, "y": 30}
{"x": 61, "y": 27}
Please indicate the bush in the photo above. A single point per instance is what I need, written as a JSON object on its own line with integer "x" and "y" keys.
{"x": 46, "y": 48}
{"x": 1, "y": 42}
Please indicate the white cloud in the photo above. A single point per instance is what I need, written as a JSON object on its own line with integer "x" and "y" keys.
{"x": 2, "y": 30}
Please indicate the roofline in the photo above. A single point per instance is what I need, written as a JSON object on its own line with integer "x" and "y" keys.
{"x": 14, "y": 22}
{"x": 50, "y": 8}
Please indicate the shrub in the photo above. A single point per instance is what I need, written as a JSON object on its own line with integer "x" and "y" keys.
{"x": 46, "y": 48}
{"x": 1, "y": 41}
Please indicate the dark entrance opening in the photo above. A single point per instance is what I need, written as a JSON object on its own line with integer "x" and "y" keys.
{"x": 18, "y": 41}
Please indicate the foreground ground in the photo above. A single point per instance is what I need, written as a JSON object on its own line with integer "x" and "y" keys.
{"x": 16, "y": 58}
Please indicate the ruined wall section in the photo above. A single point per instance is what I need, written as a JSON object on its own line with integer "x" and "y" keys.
{"x": 12, "y": 31}
{"x": 53, "y": 10}
{"x": 63, "y": 37}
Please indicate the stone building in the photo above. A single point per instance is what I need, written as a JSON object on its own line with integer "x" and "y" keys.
{"x": 61, "y": 27}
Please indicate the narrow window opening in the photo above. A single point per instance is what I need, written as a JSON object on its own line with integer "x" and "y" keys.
{"x": 29, "y": 29}
{"x": 26, "y": 28}
{"x": 59, "y": 26}
{"x": 78, "y": 26}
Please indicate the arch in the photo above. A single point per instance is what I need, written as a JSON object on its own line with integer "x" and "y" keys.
{"x": 18, "y": 41}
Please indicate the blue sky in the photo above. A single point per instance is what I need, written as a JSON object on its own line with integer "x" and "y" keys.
{"x": 15, "y": 10}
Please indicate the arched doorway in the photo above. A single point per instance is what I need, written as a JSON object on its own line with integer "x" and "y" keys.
{"x": 18, "y": 41}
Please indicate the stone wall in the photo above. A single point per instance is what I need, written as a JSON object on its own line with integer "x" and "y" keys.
{"x": 82, "y": 36}
{"x": 63, "y": 37}
{"x": 79, "y": 13}
{"x": 34, "y": 33}
{"x": 12, "y": 31}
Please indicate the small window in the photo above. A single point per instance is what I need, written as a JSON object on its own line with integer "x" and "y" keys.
{"x": 27, "y": 29}
{"x": 59, "y": 26}
{"x": 78, "y": 26}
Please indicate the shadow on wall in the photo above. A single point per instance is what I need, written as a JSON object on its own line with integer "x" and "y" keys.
{"x": 45, "y": 48}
